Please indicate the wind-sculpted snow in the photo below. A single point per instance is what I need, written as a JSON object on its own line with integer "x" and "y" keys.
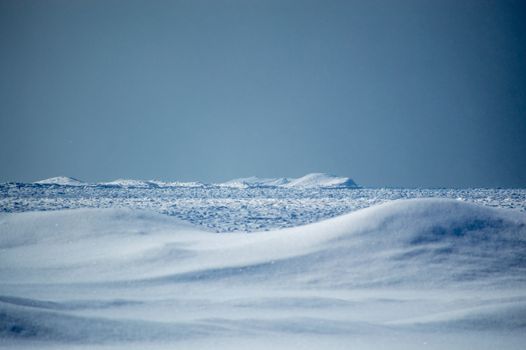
{"x": 404, "y": 275}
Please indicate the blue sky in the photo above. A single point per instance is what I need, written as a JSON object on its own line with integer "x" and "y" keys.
{"x": 390, "y": 93}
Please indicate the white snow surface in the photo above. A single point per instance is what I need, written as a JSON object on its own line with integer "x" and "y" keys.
{"x": 405, "y": 274}
{"x": 61, "y": 180}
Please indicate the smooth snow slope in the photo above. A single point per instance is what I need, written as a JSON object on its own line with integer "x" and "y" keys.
{"x": 401, "y": 275}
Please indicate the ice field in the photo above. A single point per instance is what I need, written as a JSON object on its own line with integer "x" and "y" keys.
{"x": 248, "y": 205}
{"x": 131, "y": 266}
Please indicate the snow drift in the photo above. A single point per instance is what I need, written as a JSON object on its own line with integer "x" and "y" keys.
{"x": 403, "y": 268}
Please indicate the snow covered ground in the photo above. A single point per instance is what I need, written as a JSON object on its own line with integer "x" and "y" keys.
{"x": 117, "y": 273}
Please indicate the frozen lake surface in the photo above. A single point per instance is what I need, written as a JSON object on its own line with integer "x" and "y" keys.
{"x": 224, "y": 209}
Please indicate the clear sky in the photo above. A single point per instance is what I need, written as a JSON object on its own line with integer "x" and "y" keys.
{"x": 390, "y": 93}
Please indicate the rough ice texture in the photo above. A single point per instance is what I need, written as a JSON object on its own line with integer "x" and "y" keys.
{"x": 410, "y": 274}
{"x": 236, "y": 209}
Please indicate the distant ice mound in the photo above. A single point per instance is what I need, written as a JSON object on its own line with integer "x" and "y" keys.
{"x": 321, "y": 180}
{"x": 177, "y": 183}
{"x": 254, "y": 181}
{"x": 314, "y": 180}
{"x": 128, "y": 183}
{"x": 131, "y": 183}
{"x": 61, "y": 180}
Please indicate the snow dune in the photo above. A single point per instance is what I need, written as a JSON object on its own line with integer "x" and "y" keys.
{"x": 398, "y": 275}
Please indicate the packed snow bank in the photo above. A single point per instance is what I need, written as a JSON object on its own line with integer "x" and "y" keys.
{"x": 61, "y": 180}
{"x": 416, "y": 269}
